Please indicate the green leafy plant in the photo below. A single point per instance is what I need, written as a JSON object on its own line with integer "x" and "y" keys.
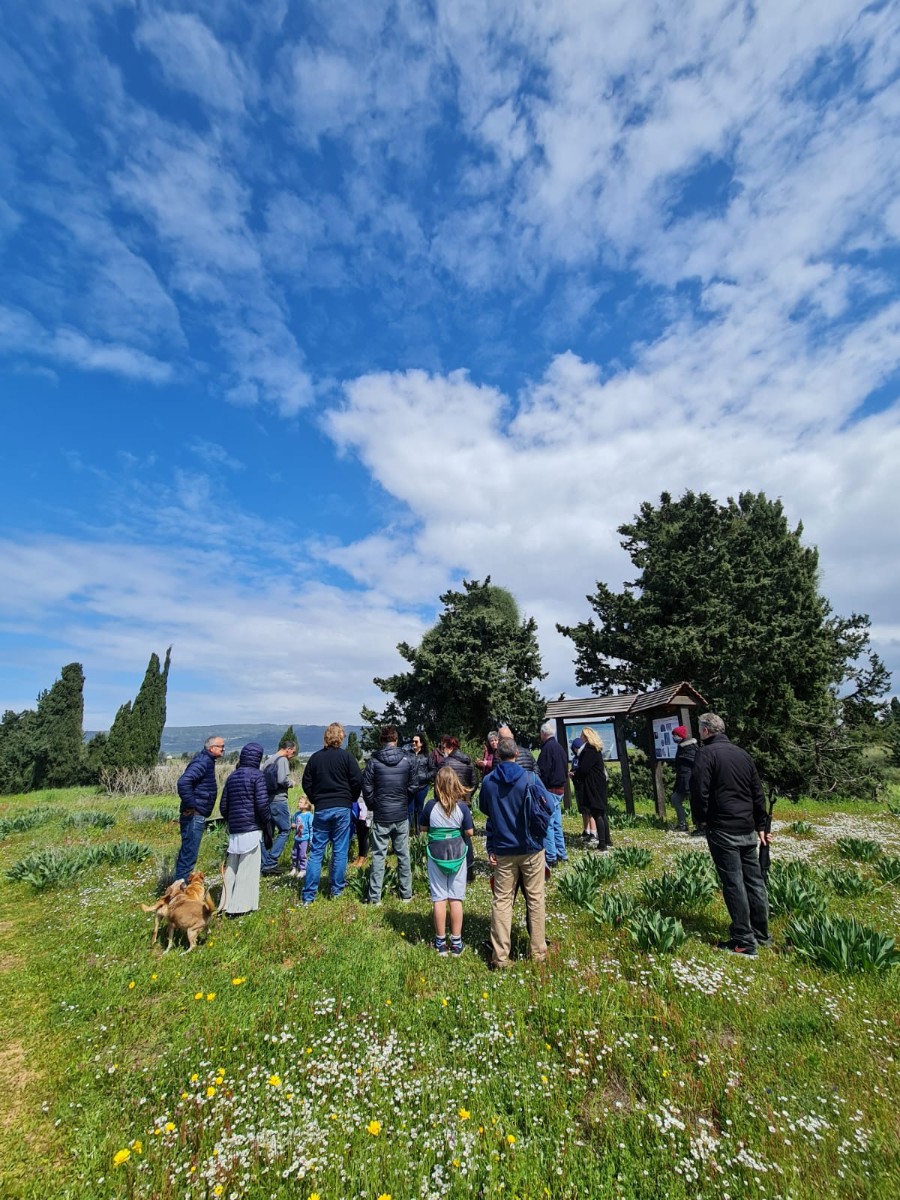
{"x": 144, "y": 815}
{"x": 859, "y": 849}
{"x": 889, "y": 869}
{"x": 599, "y": 867}
{"x": 847, "y": 883}
{"x": 578, "y": 887}
{"x": 117, "y": 854}
{"x": 685, "y": 891}
{"x": 696, "y": 862}
{"x": 632, "y": 857}
{"x": 793, "y": 890}
{"x": 51, "y": 867}
{"x": 801, "y": 828}
{"x": 613, "y": 908}
{"x": 99, "y": 820}
{"x": 654, "y": 932}
{"x": 842, "y": 944}
{"x": 24, "y": 821}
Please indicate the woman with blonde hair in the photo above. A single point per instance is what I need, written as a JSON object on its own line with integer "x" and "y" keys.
{"x": 592, "y": 783}
{"x": 448, "y": 820}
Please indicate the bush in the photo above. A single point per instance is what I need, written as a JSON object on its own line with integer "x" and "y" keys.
{"x": 859, "y": 849}
{"x": 99, "y": 820}
{"x": 889, "y": 869}
{"x": 842, "y": 945}
{"x": 23, "y": 821}
{"x": 794, "y": 891}
{"x": 632, "y": 857}
{"x": 653, "y": 931}
{"x": 847, "y": 883}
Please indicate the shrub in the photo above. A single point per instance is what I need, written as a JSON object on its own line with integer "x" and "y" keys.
{"x": 23, "y": 821}
{"x": 801, "y": 828}
{"x": 847, "y": 883}
{"x": 100, "y": 820}
{"x": 632, "y": 857}
{"x": 686, "y": 890}
{"x": 842, "y": 945}
{"x": 859, "y": 849}
{"x": 794, "y": 891}
{"x": 653, "y": 931}
{"x": 889, "y": 869}
{"x": 613, "y": 908}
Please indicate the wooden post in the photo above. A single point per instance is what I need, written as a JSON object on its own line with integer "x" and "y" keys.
{"x": 659, "y": 789}
{"x": 622, "y": 751}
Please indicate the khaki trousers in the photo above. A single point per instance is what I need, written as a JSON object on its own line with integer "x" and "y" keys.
{"x": 508, "y": 871}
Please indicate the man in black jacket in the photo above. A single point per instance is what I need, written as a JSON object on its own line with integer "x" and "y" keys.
{"x": 685, "y": 754}
{"x": 332, "y": 781}
{"x": 727, "y": 799}
{"x": 390, "y": 780}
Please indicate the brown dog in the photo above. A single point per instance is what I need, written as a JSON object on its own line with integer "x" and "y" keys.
{"x": 193, "y": 891}
{"x": 190, "y": 916}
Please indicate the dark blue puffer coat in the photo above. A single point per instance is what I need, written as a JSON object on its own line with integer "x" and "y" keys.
{"x": 389, "y": 782}
{"x": 245, "y": 801}
{"x": 197, "y": 786}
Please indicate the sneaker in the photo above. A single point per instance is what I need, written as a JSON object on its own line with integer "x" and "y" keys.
{"x": 681, "y": 828}
{"x": 301, "y": 874}
{"x": 698, "y": 833}
{"x": 440, "y": 945}
{"x": 292, "y": 874}
{"x": 456, "y": 948}
{"x": 736, "y": 948}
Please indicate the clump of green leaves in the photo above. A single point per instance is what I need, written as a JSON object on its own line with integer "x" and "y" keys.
{"x": 859, "y": 849}
{"x": 655, "y": 932}
{"x": 613, "y": 908}
{"x": 578, "y": 887}
{"x": 842, "y": 944}
{"x": 889, "y": 869}
{"x": 23, "y": 821}
{"x": 99, "y": 820}
{"x": 632, "y": 857}
{"x": 684, "y": 891}
{"x": 51, "y": 867}
{"x": 696, "y": 862}
{"x": 801, "y": 828}
{"x": 142, "y": 816}
{"x": 599, "y": 867}
{"x": 847, "y": 883}
{"x": 793, "y": 888}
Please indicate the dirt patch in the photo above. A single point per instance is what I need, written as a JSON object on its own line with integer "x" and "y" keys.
{"x": 14, "y": 1078}
{"x": 9, "y": 962}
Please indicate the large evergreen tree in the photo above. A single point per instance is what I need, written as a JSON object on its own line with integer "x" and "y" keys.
{"x": 58, "y": 741}
{"x": 475, "y": 667}
{"x": 288, "y": 736}
{"x": 727, "y": 597}
{"x": 136, "y": 733}
{"x": 18, "y": 748}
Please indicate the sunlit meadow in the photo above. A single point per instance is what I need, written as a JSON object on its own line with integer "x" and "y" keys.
{"x": 329, "y": 1052}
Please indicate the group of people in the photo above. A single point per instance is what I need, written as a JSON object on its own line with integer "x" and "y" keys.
{"x": 386, "y": 801}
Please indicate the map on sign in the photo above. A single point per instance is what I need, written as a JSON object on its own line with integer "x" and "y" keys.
{"x": 605, "y": 730}
{"x": 662, "y": 737}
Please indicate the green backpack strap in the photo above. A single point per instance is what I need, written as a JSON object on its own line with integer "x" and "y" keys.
{"x": 450, "y": 865}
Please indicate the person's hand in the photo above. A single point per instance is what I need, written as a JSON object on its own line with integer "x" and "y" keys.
{"x": 764, "y": 838}
{"x": 492, "y": 859}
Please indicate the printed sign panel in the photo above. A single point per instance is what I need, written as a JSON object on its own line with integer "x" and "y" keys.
{"x": 662, "y": 737}
{"x": 605, "y": 730}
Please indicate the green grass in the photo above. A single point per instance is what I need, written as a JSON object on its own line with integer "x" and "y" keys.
{"x": 350, "y": 1061}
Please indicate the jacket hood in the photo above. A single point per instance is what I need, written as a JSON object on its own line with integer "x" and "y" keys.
{"x": 389, "y": 755}
{"x": 688, "y": 742}
{"x": 251, "y": 755}
{"x": 508, "y": 771}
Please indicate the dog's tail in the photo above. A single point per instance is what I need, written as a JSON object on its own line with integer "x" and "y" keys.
{"x": 223, "y": 898}
{"x": 152, "y": 907}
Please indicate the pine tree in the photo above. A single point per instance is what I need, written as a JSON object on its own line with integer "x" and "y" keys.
{"x": 353, "y": 745}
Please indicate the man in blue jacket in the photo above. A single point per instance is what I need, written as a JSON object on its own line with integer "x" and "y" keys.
{"x": 197, "y": 789}
{"x": 513, "y": 854}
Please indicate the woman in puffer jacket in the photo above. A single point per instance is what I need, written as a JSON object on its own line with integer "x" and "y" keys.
{"x": 245, "y": 807}
{"x": 454, "y": 758}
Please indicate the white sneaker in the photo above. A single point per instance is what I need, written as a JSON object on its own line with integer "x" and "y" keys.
{"x": 293, "y": 874}
{"x": 301, "y": 874}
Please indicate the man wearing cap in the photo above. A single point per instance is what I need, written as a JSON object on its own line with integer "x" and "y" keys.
{"x": 684, "y": 766}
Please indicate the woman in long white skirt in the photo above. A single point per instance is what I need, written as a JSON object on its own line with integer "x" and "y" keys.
{"x": 245, "y": 807}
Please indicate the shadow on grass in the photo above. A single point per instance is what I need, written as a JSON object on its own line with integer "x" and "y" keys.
{"x": 418, "y": 927}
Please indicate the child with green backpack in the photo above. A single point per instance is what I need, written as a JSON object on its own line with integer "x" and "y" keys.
{"x": 448, "y": 820}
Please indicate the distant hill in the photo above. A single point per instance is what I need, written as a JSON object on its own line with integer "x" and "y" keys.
{"x": 186, "y": 739}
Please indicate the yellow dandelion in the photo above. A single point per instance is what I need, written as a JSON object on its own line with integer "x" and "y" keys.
{"x": 194, "y": 1077}
{"x": 484, "y": 995}
{"x": 315, "y": 1196}
{"x": 374, "y": 1127}
{"x": 510, "y": 1140}
{"x": 154, "y": 976}
{"x": 464, "y": 1114}
{"x": 137, "y": 1146}
{"x": 157, "y": 1131}
{"x": 210, "y": 1092}
{"x": 218, "y": 1189}
{"x": 120, "y": 1157}
{"x": 210, "y": 995}
{"x": 481, "y": 1129}
{"x": 274, "y": 1081}
{"x": 198, "y": 995}
{"x": 383, "y": 1196}
{"x": 332, "y": 1116}
{"x": 387, "y": 1002}
{"x": 544, "y": 1079}
{"x": 444, "y": 1002}
{"x": 309, "y": 1049}
{"x": 288, "y": 1095}
{"x": 456, "y": 1162}
{"x": 238, "y": 980}
{"x": 169, "y": 1126}
{"x": 665, "y": 1074}
{"x": 131, "y": 985}
{"x": 184, "y": 1095}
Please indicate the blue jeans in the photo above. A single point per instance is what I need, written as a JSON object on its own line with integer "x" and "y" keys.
{"x": 191, "y": 833}
{"x": 281, "y": 820}
{"x": 417, "y": 804}
{"x": 736, "y": 858}
{"x": 332, "y": 825}
{"x": 382, "y": 835}
{"x": 554, "y": 842}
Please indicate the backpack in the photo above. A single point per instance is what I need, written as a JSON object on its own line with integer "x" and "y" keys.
{"x": 538, "y": 816}
{"x": 270, "y": 774}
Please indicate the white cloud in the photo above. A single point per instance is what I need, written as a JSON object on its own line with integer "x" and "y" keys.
{"x": 193, "y": 59}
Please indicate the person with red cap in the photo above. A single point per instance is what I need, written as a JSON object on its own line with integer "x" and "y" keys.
{"x": 684, "y": 766}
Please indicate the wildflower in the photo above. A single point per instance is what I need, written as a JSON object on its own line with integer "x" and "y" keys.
{"x": 315, "y": 1196}
{"x": 275, "y": 1081}
{"x": 510, "y": 1140}
{"x": 544, "y": 1079}
{"x": 218, "y": 1189}
{"x": 120, "y": 1157}
{"x": 387, "y": 1001}
{"x": 464, "y": 1114}
{"x": 184, "y": 1095}
{"x": 198, "y": 995}
{"x": 210, "y": 995}
{"x": 481, "y": 1129}
{"x": 445, "y": 1002}
{"x": 456, "y": 1162}
{"x": 137, "y": 1146}
{"x": 210, "y": 1092}
{"x": 154, "y": 976}
{"x": 131, "y": 985}
{"x": 157, "y": 1132}
{"x": 169, "y": 1127}
{"x": 383, "y": 1196}
{"x": 194, "y": 1077}
{"x": 374, "y": 1127}
{"x": 484, "y": 995}
{"x": 238, "y": 980}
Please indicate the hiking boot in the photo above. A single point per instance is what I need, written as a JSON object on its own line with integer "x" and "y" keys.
{"x": 737, "y": 948}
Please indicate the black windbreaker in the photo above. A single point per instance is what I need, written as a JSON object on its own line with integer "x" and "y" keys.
{"x": 726, "y": 792}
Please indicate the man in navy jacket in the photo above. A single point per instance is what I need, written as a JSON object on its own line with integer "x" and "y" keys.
{"x": 197, "y": 789}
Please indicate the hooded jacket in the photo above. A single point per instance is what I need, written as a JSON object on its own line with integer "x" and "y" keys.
{"x": 726, "y": 792}
{"x": 245, "y": 801}
{"x": 389, "y": 783}
{"x": 503, "y": 796}
{"x": 685, "y": 756}
{"x": 197, "y": 786}
{"x": 462, "y": 765}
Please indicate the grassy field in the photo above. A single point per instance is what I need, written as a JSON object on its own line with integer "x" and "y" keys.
{"x": 328, "y": 1052}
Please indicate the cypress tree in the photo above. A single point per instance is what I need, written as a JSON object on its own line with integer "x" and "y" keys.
{"x": 288, "y": 736}
{"x": 136, "y": 732}
{"x": 59, "y": 745}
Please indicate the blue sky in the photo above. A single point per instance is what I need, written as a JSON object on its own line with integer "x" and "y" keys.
{"x": 310, "y": 310}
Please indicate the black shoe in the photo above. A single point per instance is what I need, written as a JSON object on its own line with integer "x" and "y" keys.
{"x": 681, "y": 828}
{"x": 736, "y": 948}
{"x": 698, "y": 833}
